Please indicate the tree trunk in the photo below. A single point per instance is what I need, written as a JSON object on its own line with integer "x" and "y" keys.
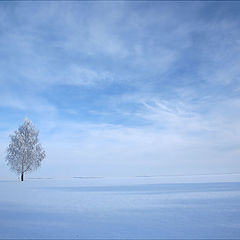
{"x": 21, "y": 176}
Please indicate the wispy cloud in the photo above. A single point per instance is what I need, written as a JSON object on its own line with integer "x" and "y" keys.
{"x": 119, "y": 85}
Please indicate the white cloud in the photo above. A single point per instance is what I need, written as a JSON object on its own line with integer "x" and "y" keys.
{"x": 27, "y": 103}
{"x": 220, "y": 53}
{"x": 112, "y": 148}
{"x": 79, "y": 75}
{"x": 147, "y": 50}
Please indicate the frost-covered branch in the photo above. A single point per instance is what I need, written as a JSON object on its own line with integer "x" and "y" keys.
{"x": 25, "y": 153}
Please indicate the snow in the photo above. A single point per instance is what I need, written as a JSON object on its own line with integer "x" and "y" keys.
{"x": 139, "y": 207}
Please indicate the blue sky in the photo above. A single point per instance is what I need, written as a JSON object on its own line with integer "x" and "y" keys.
{"x": 123, "y": 88}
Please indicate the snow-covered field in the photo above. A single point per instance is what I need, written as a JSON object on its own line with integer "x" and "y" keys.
{"x": 140, "y": 207}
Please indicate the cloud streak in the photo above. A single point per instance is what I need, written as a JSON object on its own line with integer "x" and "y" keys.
{"x": 124, "y": 87}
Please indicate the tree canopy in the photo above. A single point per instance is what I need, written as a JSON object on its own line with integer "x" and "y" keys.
{"x": 25, "y": 153}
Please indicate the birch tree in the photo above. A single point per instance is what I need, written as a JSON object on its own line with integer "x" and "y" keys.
{"x": 25, "y": 153}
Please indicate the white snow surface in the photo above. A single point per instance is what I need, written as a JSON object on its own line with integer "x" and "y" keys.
{"x": 168, "y": 207}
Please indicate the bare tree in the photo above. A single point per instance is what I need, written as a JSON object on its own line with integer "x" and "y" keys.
{"x": 25, "y": 153}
